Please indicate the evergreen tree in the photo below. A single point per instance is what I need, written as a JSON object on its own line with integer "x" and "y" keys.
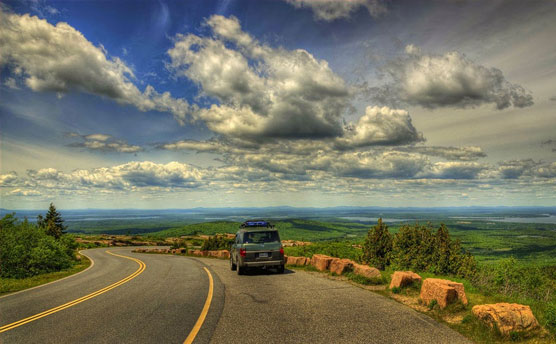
{"x": 52, "y": 223}
{"x": 378, "y": 246}
{"x": 443, "y": 252}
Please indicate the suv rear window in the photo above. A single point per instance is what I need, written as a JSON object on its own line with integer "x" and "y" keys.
{"x": 260, "y": 237}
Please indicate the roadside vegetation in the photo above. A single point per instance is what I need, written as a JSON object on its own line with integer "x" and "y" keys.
{"x": 35, "y": 253}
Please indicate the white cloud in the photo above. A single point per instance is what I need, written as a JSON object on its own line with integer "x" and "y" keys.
{"x": 103, "y": 143}
{"x": 451, "y": 153}
{"x": 129, "y": 176}
{"x": 262, "y": 92}
{"x": 58, "y": 58}
{"x": 11, "y": 83}
{"x": 329, "y": 10}
{"x": 8, "y": 179}
{"x": 450, "y": 79}
{"x": 380, "y": 126}
{"x": 456, "y": 170}
{"x": 23, "y": 192}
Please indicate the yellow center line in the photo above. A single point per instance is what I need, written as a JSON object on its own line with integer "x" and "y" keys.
{"x": 18, "y": 323}
{"x": 204, "y": 312}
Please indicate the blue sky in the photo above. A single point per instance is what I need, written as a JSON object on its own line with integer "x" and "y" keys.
{"x": 179, "y": 104}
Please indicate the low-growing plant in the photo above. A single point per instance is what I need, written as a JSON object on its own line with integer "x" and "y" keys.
{"x": 364, "y": 280}
{"x": 550, "y": 317}
{"x": 432, "y": 304}
{"x": 396, "y": 290}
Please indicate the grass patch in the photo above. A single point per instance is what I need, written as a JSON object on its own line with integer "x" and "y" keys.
{"x": 11, "y": 285}
{"x": 364, "y": 280}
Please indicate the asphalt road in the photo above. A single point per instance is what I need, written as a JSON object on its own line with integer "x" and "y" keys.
{"x": 163, "y": 302}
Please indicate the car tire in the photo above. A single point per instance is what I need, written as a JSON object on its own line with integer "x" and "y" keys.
{"x": 240, "y": 270}
{"x": 233, "y": 266}
{"x": 281, "y": 269}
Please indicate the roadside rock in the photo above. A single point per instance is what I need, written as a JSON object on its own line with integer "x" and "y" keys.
{"x": 366, "y": 271}
{"x": 404, "y": 278}
{"x": 321, "y": 261}
{"x": 507, "y": 317}
{"x": 443, "y": 291}
{"x": 339, "y": 266}
{"x": 300, "y": 261}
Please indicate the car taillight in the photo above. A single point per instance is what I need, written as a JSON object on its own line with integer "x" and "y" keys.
{"x": 281, "y": 250}
{"x": 242, "y": 252}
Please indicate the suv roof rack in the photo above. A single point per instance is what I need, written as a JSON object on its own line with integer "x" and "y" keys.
{"x": 256, "y": 223}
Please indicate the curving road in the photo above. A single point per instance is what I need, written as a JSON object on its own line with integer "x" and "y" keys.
{"x": 148, "y": 298}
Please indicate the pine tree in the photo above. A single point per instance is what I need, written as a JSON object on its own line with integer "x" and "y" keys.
{"x": 443, "y": 251}
{"x": 378, "y": 246}
{"x": 52, "y": 223}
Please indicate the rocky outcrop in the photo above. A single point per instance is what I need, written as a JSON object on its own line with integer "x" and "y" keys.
{"x": 339, "y": 266}
{"x": 443, "y": 291}
{"x": 507, "y": 317}
{"x": 402, "y": 279}
{"x": 223, "y": 254}
{"x": 299, "y": 261}
{"x": 294, "y": 243}
{"x": 366, "y": 271}
{"x": 321, "y": 261}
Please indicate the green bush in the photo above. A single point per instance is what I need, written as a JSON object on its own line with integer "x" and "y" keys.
{"x": 217, "y": 243}
{"x": 550, "y": 316}
{"x": 27, "y": 250}
{"x": 378, "y": 246}
{"x": 418, "y": 248}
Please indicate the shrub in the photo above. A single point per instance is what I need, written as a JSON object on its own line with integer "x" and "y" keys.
{"x": 550, "y": 316}
{"x": 27, "y": 250}
{"x": 217, "y": 243}
{"x": 418, "y": 248}
{"x": 378, "y": 246}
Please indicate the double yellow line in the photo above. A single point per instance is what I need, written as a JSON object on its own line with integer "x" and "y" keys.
{"x": 142, "y": 267}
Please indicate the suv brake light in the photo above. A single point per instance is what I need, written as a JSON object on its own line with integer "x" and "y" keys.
{"x": 281, "y": 250}
{"x": 242, "y": 252}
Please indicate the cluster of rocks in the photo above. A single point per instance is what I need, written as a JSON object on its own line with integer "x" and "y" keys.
{"x": 506, "y": 317}
{"x": 161, "y": 250}
{"x": 225, "y": 254}
{"x": 294, "y": 243}
{"x": 336, "y": 265}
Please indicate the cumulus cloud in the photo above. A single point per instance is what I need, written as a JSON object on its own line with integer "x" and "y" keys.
{"x": 514, "y": 169}
{"x": 451, "y": 79}
{"x": 329, "y": 10}
{"x": 103, "y": 143}
{"x": 58, "y": 58}
{"x": 261, "y": 92}
{"x": 129, "y": 176}
{"x": 450, "y": 153}
{"x": 23, "y": 192}
{"x": 380, "y": 126}
{"x": 8, "y": 179}
{"x": 456, "y": 170}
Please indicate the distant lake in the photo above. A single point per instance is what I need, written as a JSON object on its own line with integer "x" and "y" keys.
{"x": 370, "y": 219}
{"x": 540, "y": 219}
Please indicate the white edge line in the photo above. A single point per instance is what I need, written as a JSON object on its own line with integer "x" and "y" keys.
{"x": 58, "y": 280}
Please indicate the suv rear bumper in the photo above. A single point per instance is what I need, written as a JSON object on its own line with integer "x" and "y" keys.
{"x": 264, "y": 263}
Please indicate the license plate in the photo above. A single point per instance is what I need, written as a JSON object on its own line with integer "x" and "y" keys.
{"x": 263, "y": 255}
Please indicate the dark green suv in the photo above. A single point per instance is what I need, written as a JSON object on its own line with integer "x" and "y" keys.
{"x": 257, "y": 244}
